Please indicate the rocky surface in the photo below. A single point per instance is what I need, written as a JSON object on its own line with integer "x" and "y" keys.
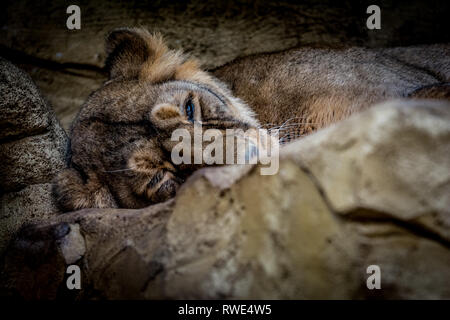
{"x": 371, "y": 190}
{"x": 32, "y": 148}
{"x": 66, "y": 64}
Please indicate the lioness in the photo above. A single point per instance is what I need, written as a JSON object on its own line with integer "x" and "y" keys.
{"x": 120, "y": 141}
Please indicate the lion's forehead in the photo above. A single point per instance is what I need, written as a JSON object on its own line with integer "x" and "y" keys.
{"x": 132, "y": 101}
{"x": 182, "y": 86}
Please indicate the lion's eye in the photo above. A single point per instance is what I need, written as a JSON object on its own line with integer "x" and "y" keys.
{"x": 190, "y": 108}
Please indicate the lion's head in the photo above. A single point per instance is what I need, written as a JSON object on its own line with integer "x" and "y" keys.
{"x": 120, "y": 152}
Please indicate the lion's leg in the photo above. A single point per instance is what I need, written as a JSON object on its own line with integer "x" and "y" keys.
{"x": 72, "y": 193}
{"x": 156, "y": 182}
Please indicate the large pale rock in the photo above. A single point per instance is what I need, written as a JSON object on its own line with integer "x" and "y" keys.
{"x": 32, "y": 151}
{"x": 393, "y": 160}
{"x": 233, "y": 233}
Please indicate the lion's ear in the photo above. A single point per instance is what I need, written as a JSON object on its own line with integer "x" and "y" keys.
{"x": 129, "y": 49}
{"x": 137, "y": 54}
{"x": 166, "y": 115}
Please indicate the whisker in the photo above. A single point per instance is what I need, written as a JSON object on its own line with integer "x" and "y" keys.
{"x": 120, "y": 170}
{"x": 288, "y": 120}
{"x": 295, "y": 123}
{"x": 299, "y": 125}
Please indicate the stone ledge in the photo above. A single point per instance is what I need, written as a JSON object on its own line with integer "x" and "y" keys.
{"x": 232, "y": 233}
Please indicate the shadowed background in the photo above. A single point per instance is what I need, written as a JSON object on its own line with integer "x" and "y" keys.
{"x": 67, "y": 65}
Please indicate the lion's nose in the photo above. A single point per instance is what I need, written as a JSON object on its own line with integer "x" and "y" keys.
{"x": 251, "y": 151}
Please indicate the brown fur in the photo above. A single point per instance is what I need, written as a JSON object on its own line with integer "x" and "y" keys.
{"x": 120, "y": 140}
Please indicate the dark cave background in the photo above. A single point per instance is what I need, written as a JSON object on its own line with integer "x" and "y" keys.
{"x": 67, "y": 65}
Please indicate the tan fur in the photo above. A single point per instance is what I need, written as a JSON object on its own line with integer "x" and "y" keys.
{"x": 316, "y": 87}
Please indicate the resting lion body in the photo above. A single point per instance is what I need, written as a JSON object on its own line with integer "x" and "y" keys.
{"x": 120, "y": 141}
{"x": 315, "y": 87}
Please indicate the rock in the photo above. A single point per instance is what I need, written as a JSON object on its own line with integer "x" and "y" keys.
{"x": 72, "y": 245}
{"x": 216, "y": 33}
{"x": 309, "y": 232}
{"x": 392, "y": 161}
{"x": 31, "y": 160}
{"x": 32, "y": 143}
{"x": 24, "y": 111}
{"x": 31, "y": 204}
{"x": 32, "y": 149}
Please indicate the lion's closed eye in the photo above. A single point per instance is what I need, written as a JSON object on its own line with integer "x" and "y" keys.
{"x": 190, "y": 109}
